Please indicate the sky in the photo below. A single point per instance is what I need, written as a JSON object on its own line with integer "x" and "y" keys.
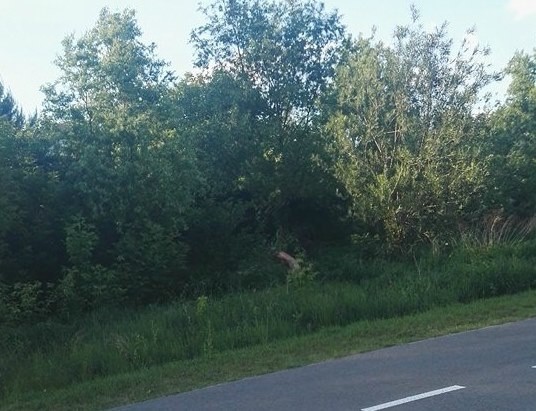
{"x": 31, "y": 31}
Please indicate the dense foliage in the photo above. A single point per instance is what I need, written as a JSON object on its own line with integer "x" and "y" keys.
{"x": 133, "y": 187}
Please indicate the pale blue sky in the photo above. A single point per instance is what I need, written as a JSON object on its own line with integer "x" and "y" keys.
{"x": 31, "y": 30}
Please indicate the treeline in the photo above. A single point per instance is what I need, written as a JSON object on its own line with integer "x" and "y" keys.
{"x": 132, "y": 186}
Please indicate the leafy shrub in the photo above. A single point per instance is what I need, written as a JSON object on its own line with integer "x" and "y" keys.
{"x": 24, "y": 302}
{"x": 89, "y": 287}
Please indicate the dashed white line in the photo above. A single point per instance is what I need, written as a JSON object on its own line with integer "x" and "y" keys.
{"x": 414, "y": 398}
{"x": 534, "y": 366}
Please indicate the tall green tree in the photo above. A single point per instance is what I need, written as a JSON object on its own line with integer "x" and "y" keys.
{"x": 8, "y": 210}
{"x": 126, "y": 173}
{"x": 28, "y": 246}
{"x": 8, "y": 108}
{"x": 286, "y": 52}
{"x": 287, "y": 49}
{"x": 218, "y": 115}
{"x": 404, "y": 135}
{"x": 513, "y": 144}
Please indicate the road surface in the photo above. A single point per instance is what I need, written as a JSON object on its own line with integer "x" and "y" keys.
{"x": 488, "y": 369}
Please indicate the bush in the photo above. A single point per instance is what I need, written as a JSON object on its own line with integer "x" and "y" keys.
{"x": 25, "y": 302}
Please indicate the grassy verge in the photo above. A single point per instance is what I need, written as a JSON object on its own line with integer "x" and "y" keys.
{"x": 329, "y": 342}
{"x": 56, "y": 359}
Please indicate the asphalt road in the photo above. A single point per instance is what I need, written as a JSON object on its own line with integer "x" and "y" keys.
{"x": 489, "y": 369}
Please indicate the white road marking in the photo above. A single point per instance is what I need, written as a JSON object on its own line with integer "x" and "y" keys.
{"x": 534, "y": 366}
{"x": 413, "y": 398}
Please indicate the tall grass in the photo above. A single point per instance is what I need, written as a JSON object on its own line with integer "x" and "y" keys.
{"x": 50, "y": 355}
{"x": 496, "y": 229}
